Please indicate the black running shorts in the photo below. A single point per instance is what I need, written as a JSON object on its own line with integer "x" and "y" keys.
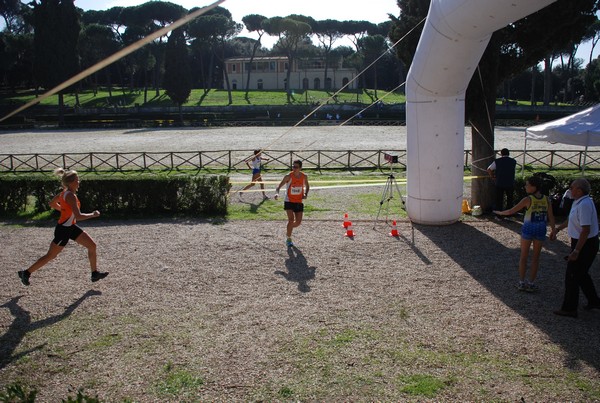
{"x": 62, "y": 234}
{"x": 295, "y": 207}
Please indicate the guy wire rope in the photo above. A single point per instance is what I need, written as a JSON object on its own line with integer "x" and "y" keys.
{"x": 288, "y": 131}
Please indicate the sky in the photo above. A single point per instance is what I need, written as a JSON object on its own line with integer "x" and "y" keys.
{"x": 375, "y": 11}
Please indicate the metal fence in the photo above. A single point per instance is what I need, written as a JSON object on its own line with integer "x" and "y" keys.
{"x": 234, "y": 160}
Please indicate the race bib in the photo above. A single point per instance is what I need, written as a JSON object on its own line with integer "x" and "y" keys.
{"x": 297, "y": 190}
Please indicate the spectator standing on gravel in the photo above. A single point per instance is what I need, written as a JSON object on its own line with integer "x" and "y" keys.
{"x": 537, "y": 217}
{"x": 582, "y": 227}
{"x": 68, "y": 204}
{"x": 297, "y": 188}
{"x": 502, "y": 172}
{"x": 256, "y": 175}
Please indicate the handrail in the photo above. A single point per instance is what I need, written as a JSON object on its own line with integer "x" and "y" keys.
{"x": 233, "y": 160}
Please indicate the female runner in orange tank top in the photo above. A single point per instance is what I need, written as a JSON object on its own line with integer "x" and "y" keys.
{"x": 68, "y": 204}
{"x": 297, "y": 190}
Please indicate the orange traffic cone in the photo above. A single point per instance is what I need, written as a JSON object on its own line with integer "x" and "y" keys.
{"x": 347, "y": 222}
{"x": 466, "y": 209}
{"x": 394, "y": 231}
{"x": 349, "y": 232}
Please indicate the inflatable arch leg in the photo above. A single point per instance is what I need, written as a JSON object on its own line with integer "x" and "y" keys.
{"x": 454, "y": 38}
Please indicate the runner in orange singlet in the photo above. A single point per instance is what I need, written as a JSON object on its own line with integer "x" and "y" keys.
{"x": 68, "y": 204}
{"x": 297, "y": 190}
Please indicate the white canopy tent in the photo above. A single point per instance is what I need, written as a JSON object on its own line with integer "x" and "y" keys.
{"x": 580, "y": 129}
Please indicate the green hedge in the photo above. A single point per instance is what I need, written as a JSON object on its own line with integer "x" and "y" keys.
{"x": 120, "y": 195}
{"x": 563, "y": 181}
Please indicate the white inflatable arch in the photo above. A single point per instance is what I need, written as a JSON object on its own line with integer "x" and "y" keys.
{"x": 454, "y": 38}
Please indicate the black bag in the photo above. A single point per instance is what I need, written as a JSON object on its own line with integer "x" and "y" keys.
{"x": 561, "y": 205}
{"x": 548, "y": 182}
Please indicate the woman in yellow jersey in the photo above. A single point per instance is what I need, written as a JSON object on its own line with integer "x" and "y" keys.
{"x": 68, "y": 204}
{"x": 296, "y": 191}
{"x": 537, "y": 216}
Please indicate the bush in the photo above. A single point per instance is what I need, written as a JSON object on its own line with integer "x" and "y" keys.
{"x": 121, "y": 195}
{"x": 561, "y": 184}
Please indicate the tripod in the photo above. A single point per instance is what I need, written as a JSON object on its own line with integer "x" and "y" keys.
{"x": 388, "y": 194}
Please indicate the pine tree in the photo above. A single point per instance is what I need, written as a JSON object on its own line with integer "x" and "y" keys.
{"x": 178, "y": 74}
{"x": 57, "y": 27}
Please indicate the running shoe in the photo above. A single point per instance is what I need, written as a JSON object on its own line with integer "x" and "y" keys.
{"x": 96, "y": 275}
{"x": 522, "y": 286}
{"x": 531, "y": 287}
{"x": 562, "y": 312}
{"x": 24, "y": 276}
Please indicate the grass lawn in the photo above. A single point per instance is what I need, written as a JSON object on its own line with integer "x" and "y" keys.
{"x": 126, "y": 97}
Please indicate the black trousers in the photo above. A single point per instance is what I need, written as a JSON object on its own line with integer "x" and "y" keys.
{"x": 500, "y": 192}
{"x": 577, "y": 275}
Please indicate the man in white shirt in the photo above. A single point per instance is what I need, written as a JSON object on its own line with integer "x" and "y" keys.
{"x": 582, "y": 227}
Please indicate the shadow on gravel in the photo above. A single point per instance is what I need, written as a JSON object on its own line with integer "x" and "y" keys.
{"x": 22, "y": 325}
{"x": 491, "y": 264}
{"x": 298, "y": 270}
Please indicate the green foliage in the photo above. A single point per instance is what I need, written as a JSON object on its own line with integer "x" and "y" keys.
{"x": 55, "y": 42}
{"x": 178, "y": 382}
{"x": 563, "y": 181}
{"x": 81, "y": 398}
{"x": 178, "y": 77}
{"x": 285, "y": 392}
{"x": 198, "y": 97}
{"x": 122, "y": 195}
{"x": 421, "y": 385}
{"x": 16, "y": 190}
{"x": 592, "y": 79}
{"x": 17, "y": 393}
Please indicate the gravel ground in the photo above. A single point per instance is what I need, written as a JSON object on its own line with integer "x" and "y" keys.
{"x": 197, "y": 310}
{"x": 335, "y": 319}
{"x": 241, "y": 138}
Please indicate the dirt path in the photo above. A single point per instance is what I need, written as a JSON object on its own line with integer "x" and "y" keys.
{"x": 335, "y": 319}
{"x": 197, "y": 310}
{"x": 243, "y": 138}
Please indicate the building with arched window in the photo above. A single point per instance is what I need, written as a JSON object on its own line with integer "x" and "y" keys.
{"x": 270, "y": 73}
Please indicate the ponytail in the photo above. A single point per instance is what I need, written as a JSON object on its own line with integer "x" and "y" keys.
{"x": 65, "y": 176}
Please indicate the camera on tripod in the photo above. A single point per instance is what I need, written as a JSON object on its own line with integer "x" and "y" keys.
{"x": 390, "y": 185}
{"x": 390, "y": 157}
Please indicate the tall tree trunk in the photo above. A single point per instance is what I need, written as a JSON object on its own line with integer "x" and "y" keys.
{"x": 254, "y": 49}
{"x": 109, "y": 82}
{"x": 145, "y": 86}
{"x": 547, "y": 80}
{"x": 61, "y": 109}
{"x": 227, "y": 85}
{"x": 230, "y": 97}
{"x": 533, "y": 73}
{"x": 481, "y": 109}
{"x": 375, "y": 80}
{"x": 288, "y": 76}
{"x": 211, "y": 67}
{"x": 203, "y": 75}
{"x": 156, "y": 74}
